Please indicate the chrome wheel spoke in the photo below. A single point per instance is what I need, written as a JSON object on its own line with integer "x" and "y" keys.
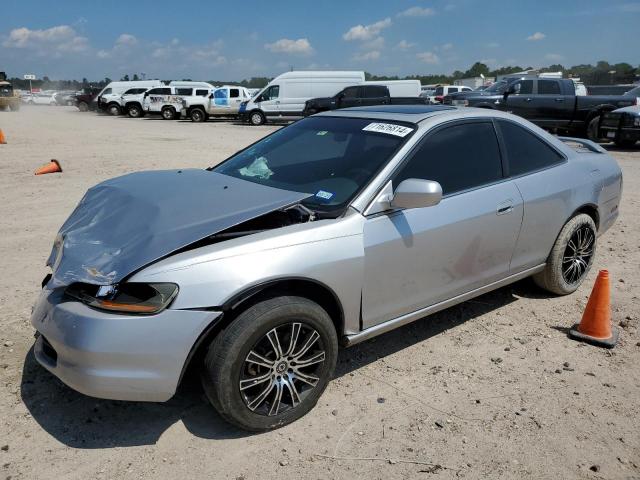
{"x": 308, "y": 379}
{"x": 272, "y": 336}
{"x": 255, "y": 403}
{"x": 258, "y": 359}
{"x": 252, "y": 382}
{"x": 275, "y": 405}
{"x": 308, "y": 344}
{"x": 317, "y": 358}
{"x": 293, "y": 391}
{"x": 293, "y": 342}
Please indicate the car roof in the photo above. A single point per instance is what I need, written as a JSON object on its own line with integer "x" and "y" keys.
{"x": 404, "y": 113}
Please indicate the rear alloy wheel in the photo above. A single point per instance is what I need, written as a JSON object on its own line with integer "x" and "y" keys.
{"x": 134, "y": 111}
{"x": 270, "y": 366}
{"x": 571, "y": 257}
{"x": 114, "y": 109}
{"x": 257, "y": 118}
{"x": 197, "y": 115}
{"x": 168, "y": 113}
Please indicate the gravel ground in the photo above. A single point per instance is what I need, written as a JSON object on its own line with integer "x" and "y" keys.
{"x": 491, "y": 388}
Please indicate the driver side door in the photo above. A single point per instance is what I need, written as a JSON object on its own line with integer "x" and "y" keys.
{"x": 418, "y": 257}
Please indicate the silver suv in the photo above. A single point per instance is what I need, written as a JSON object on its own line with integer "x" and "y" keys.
{"x": 339, "y": 227}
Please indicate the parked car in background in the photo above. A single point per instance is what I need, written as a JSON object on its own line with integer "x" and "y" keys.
{"x": 88, "y": 99}
{"x": 285, "y": 96}
{"x": 42, "y": 99}
{"x": 221, "y": 101}
{"x": 359, "y": 221}
{"x": 109, "y": 99}
{"x": 398, "y": 88}
{"x": 66, "y": 98}
{"x": 167, "y": 100}
{"x": 132, "y": 100}
{"x": 441, "y": 92}
{"x": 621, "y": 126}
{"x": 359, "y": 96}
{"x": 550, "y": 103}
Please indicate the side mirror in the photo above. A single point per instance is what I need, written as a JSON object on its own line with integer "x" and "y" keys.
{"x": 416, "y": 193}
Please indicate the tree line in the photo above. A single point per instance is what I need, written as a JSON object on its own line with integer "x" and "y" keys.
{"x": 602, "y": 73}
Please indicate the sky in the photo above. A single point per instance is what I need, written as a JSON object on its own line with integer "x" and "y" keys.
{"x": 234, "y": 40}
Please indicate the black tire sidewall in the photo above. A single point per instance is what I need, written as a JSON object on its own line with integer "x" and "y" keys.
{"x": 134, "y": 108}
{"x": 570, "y": 228}
{"x": 168, "y": 113}
{"x": 197, "y": 115}
{"x": 223, "y": 367}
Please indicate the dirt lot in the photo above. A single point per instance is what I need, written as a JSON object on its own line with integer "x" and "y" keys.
{"x": 489, "y": 389}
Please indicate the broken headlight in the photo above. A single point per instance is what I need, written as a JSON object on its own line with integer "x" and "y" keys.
{"x": 139, "y": 298}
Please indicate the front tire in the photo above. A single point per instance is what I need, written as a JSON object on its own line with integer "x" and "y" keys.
{"x": 592, "y": 129}
{"x": 571, "y": 257}
{"x": 114, "y": 109}
{"x": 257, "y": 118}
{"x": 134, "y": 111}
{"x": 271, "y": 365}
{"x": 83, "y": 106}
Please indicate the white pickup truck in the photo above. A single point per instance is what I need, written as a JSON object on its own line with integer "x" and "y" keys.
{"x": 167, "y": 101}
{"x": 222, "y": 102}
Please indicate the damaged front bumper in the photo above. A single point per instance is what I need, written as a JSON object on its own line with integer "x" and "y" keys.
{"x": 114, "y": 356}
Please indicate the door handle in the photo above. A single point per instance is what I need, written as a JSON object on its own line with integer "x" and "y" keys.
{"x": 504, "y": 208}
{"x": 559, "y": 99}
{"x": 527, "y": 99}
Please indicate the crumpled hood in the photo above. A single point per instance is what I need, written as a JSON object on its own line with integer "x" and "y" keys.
{"x": 125, "y": 223}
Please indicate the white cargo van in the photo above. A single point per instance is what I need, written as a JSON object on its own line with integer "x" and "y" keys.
{"x": 285, "y": 96}
{"x": 109, "y": 99}
{"x": 399, "y": 88}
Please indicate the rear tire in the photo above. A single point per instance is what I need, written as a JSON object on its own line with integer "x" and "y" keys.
{"x": 168, "y": 113}
{"x": 257, "y": 118}
{"x": 83, "y": 106}
{"x": 255, "y": 387}
{"x": 571, "y": 257}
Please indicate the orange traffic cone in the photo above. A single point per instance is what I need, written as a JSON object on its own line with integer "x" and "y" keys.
{"x": 595, "y": 326}
{"x": 2, "y": 139}
{"x": 52, "y": 167}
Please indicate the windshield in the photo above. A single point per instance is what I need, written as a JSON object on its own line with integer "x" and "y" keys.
{"x": 330, "y": 158}
{"x": 634, "y": 92}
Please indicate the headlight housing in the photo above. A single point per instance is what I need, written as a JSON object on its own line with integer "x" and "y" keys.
{"x": 136, "y": 298}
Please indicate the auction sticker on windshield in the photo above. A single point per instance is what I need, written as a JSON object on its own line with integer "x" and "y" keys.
{"x": 390, "y": 128}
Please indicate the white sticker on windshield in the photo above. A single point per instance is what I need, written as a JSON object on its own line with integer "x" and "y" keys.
{"x": 390, "y": 128}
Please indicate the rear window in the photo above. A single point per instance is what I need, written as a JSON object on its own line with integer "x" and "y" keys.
{"x": 375, "y": 91}
{"x": 160, "y": 91}
{"x": 234, "y": 93}
{"x": 184, "y": 91}
{"x": 202, "y": 93}
{"x": 548, "y": 87}
{"x": 525, "y": 151}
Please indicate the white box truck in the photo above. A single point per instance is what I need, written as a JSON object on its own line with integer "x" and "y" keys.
{"x": 110, "y": 98}
{"x": 285, "y": 96}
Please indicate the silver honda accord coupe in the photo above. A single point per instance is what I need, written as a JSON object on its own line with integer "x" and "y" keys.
{"x": 332, "y": 230}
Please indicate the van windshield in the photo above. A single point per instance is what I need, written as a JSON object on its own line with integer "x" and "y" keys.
{"x": 330, "y": 158}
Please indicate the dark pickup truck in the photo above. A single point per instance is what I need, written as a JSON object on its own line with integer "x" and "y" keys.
{"x": 359, "y": 96}
{"x": 87, "y": 99}
{"x": 622, "y": 126}
{"x": 550, "y": 103}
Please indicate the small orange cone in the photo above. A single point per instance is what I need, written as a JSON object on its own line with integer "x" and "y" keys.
{"x": 52, "y": 167}
{"x": 595, "y": 326}
{"x": 2, "y": 139}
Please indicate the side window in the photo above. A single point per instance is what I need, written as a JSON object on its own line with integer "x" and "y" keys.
{"x": 445, "y": 157}
{"x": 234, "y": 93}
{"x": 375, "y": 91}
{"x": 202, "y": 93}
{"x": 272, "y": 92}
{"x": 548, "y": 87}
{"x": 220, "y": 96}
{"x": 184, "y": 91}
{"x": 438, "y": 91}
{"x": 525, "y": 151}
{"x": 524, "y": 87}
{"x": 351, "y": 92}
{"x": 107, "y": 91}
{"x": 160, "y": 91}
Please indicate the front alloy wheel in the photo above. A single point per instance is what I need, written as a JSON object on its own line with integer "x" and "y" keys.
{"x": 271, "y": 364}
{"x": 282, "y": 369}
